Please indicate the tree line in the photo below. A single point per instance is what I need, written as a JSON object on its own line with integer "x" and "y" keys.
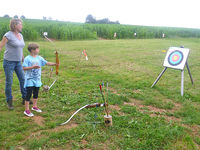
{"x": 91, "y": 19}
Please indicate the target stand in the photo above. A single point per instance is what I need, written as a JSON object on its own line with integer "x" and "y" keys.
{"x": 176, "y": 58}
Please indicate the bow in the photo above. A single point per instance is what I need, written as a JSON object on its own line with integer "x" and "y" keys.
{"x": 86, "y": 106}
{"x": 105, "y": 104}
{"x": 57, "y": 63}
{"x": 46, "y": 87}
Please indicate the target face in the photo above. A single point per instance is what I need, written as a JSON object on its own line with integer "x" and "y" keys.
{"x": 176, "y": 58}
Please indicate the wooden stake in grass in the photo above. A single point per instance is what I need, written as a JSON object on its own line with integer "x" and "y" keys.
{"x": 107, "y": 117}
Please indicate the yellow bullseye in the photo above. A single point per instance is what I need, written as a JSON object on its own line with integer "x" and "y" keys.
{"x": 175, "y": 58}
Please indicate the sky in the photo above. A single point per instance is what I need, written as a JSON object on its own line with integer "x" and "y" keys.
{"x": 172, "y": 13}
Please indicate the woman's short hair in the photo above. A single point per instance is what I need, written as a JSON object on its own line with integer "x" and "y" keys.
{"x": 32, "y": 46}
{"x": 14, "y": 22}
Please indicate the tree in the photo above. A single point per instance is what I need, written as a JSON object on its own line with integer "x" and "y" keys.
{"x": 116, "y": 22}
{"x": 103, "y": 21}
{"x": 22, "y": 17}
{"x": 6, "y": 16}
{"x": 44, "y": 18}
{"x": 16, "y": 16}
{"x": 90, "y": 19}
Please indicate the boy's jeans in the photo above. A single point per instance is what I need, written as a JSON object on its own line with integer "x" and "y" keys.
{"x": 9, "y": 67}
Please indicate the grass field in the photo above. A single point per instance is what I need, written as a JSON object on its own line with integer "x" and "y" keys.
{"x": 143, "y": 117}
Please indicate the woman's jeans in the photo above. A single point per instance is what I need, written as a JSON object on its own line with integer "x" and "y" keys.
{"x": 9, "y": 68}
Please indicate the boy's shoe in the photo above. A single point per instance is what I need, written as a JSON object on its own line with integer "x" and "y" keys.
{"x": 36, "y": 109}
{"x": 10, "y": 106}
{"x": 28, "y": 113}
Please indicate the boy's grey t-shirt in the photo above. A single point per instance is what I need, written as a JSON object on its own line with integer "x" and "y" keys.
{"x": 14, "y": 47}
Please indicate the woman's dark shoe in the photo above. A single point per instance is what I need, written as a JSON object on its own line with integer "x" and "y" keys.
{"x": 10, "y": 106}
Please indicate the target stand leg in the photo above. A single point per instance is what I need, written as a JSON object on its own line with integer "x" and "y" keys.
{"x": 182, "y": 82}
{"x": 160, "y": 75}
{"x": 189, "y": 72}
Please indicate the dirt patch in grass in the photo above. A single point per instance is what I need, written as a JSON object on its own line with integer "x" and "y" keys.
{"x": 57, "y": 129}
{"x": 19, "y": 148}
{"x": 137, "y": 91}
{"x": 38, "y": 120}
{"x": 117, "y": 108}
{"x": 154, "y": 111}
{"x": 194, "y": 128}
{"x": 65, "y": 127}
{"x": 114, "y": 107}
{"x": 140, "y": 106}
{"x": 172, "y": 118}
{"x": 167, "y": 118}
{"x": 84, "y": 142}
{"x": 136, "y": 103}
{"x": 114, "y": 91}
{"x": 176, "y": 107}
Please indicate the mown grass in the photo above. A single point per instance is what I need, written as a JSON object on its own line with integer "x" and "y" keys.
{"x": 130, "y": 67}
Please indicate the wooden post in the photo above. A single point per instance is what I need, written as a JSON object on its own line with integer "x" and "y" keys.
{"x": 108, "y": 120}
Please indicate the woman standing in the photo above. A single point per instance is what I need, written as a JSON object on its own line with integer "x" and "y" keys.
{"x": 13, "y": 56}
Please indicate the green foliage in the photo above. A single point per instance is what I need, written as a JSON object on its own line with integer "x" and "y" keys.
{"x": 33, "y": 30}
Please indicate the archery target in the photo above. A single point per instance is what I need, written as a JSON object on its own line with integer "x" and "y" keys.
{"x": 176, "y": 58}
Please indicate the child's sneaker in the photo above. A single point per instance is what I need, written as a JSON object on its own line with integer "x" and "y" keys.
{"x": 36, "y": 109}
{"x": 28, "y": 113}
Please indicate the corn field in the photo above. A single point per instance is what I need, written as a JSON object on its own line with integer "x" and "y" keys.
{"x": 33, "y": 30}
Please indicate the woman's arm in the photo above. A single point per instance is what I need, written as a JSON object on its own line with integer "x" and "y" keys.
{"x": 3, "y": 42}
